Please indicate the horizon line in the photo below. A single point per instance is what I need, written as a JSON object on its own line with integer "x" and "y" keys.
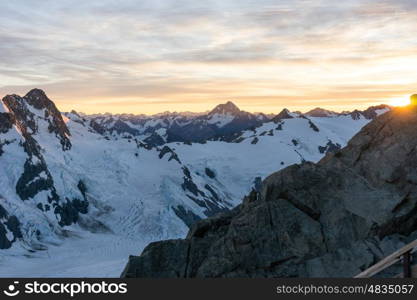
{"x": 168, "y": 112}
{"x": 307, "y": 108}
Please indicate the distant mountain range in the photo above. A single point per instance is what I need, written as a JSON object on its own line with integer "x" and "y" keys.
{"x": 73, "y": 182}
{"x": 225, "y": 122}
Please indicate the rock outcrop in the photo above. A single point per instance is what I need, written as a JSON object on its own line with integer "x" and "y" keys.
{"x": 330, "y": 219}
{"x": 9, "y": 229}
{"x": 227, "y": 108}
{"x": 36, "y": 105}
{"x": 284, "y": 114}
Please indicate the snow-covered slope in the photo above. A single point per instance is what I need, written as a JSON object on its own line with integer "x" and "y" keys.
{"x": 78, "y": 202}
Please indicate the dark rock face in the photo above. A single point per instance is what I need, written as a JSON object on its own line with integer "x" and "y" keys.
{"x": 210, "y": 173}
{"x": 2, "y": 143}
{"x": 330, "y": 219}
{"x": 313, "y": 126}
{"x": 97, "y": 127}
{"x": 210, "y": 200}
{"x": 330, "y": 147}
{"x": 196, "y": 131}
{"x": 154, "y": 140}
{"x": 284, "y": 114}
{"x": 189, "y": 185}
{"x": 173, "y": 156}
{"x": 166, "y": 262}
{"x": 8, "y": 224}
{"x": 35, "y": 178}
{"x": 187, "y": 216}
{"x": 38, "y": 99}
{"x": 6, "y": 122}
{"x": 70, "y": 210}
{"x": 121, "y": 127}
{"x": 227, "y": 108}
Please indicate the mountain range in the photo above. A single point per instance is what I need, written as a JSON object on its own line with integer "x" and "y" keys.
{"x": 334, "y": 218}
{"x": 225, "y": 122}
{"x": 79, "y": 193}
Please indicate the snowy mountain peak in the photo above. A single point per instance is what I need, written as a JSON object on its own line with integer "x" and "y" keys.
{"x": 37, "y": 98}
{"x": 284, "y": 114}
{"x": 36, "y": 110}
{"x": 228, "y": 108}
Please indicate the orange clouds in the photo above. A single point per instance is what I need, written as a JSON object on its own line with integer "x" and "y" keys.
{"x": 147, "y": 57}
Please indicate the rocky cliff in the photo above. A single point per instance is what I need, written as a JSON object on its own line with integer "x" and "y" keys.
{"x": 334, "y": 218}
{"x": 27, "y": 125}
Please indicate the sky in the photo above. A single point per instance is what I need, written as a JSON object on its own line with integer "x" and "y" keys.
{"x": 151, "y": 56}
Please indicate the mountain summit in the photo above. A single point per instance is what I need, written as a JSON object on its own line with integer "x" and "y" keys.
{"x": 226, "y": 108}
{"x": 21, "y": 108}
{"x": 284, "y": 114}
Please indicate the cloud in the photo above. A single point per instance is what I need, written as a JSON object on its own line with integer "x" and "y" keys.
{"x": 201, "y": 52}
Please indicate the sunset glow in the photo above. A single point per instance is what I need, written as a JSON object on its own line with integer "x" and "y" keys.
{"x": 400, "y": 101}
{"x": 151, "y": 56}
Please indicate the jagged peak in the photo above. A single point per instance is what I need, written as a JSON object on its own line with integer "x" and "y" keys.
{"x": 33, "y": 93}
{"x": 284, "y": 114}
{"x": 37, "y": 98}
{"x": 227, "y": 108}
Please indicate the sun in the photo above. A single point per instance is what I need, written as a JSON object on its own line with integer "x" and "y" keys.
{"x": 400, "y": 101}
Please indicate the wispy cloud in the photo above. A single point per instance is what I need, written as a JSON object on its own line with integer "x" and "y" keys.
{"x": 148, "y": 56}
